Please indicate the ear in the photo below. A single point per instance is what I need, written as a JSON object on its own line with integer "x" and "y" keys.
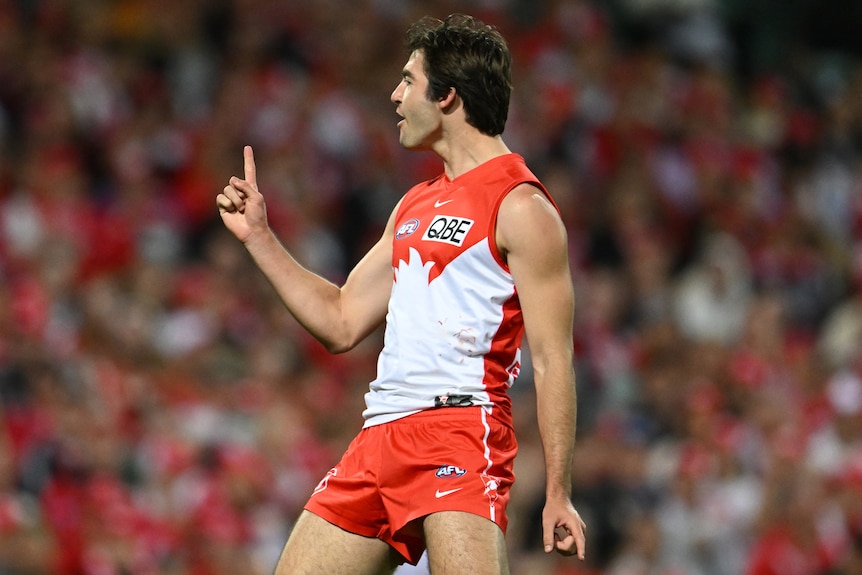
{"x": 449, "y": 100}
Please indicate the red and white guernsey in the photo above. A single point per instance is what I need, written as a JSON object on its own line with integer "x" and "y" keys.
{"x": 454, "y": 325}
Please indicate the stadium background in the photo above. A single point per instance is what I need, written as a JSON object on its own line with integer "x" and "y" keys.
{"x": 160, "y": 413}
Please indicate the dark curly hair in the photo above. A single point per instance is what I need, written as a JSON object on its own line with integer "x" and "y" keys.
{"x": 464, "y": 53}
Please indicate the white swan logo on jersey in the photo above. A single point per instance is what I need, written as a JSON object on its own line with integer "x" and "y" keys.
{"x": 448, "y": 229}
{"x": 450, "y": 471}
{"x": 407, "y": 228}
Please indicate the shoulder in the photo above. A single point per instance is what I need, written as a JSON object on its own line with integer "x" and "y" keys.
{"x": 527, "y": 203}
{"x": 527, "y": 215}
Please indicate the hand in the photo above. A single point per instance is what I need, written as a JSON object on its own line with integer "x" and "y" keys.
{"x": 240, "y": 204}
{"x": 563, "y": 529}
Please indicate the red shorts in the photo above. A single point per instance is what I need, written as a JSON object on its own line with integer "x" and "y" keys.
{"x": 447, "y": 459}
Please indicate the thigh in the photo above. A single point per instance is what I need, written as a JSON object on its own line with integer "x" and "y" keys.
{"x": 316, "y": 546}
{"x": 460, "y": 542}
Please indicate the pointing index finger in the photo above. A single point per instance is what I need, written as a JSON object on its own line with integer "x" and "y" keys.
{"x": 250, "y": 169}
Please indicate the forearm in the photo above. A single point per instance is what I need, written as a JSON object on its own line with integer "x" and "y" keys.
{"x": 556, "y": 401}
{"x": 310, "y": 298}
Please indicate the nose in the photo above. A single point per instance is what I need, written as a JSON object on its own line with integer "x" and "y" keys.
{"x": 395, "y": 97}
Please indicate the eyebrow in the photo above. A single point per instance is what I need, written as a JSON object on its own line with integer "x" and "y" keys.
{"x": 405, "y": 73}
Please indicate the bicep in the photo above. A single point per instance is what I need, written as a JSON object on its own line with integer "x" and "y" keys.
{"x": 534, "y": 239}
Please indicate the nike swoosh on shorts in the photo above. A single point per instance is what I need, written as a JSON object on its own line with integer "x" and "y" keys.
{"x": 440, "y": 494}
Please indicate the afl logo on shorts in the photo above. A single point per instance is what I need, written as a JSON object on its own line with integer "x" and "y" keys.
{"x": 445, "y": 471}
{"x": 407, "y": 228}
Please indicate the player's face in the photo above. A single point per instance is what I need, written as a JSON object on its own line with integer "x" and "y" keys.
{"x": 420, "y": 125}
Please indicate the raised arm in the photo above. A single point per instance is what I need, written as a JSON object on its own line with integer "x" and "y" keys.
{"x": 531, "y": 235}
{"x": 339, "y": 317}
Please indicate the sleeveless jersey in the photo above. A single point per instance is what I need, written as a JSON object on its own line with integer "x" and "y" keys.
{"x": 453, "y": 325}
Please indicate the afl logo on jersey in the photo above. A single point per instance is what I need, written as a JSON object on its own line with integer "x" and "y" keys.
{"x": 407, "y": 228}
{"x": 448, "y": 229}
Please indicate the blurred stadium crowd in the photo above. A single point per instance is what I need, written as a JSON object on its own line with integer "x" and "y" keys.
{"x": 161, "y": 413}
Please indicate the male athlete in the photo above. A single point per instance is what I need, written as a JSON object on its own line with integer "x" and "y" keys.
{"x": 468, "y": 263}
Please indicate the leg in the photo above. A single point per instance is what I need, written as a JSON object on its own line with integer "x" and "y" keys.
{"x": 460, "y": 542}
{"x": 316, "y": 546}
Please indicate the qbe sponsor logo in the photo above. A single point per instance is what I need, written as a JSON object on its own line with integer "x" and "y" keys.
{"x": 448, "y": 230}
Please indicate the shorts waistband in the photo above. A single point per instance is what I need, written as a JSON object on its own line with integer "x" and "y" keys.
{"x": 470, "y": 413}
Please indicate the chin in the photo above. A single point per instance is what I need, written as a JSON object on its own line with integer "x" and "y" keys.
{"x": 408, "y": 145}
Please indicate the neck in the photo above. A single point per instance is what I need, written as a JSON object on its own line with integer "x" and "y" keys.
{"x": 467, "y": 149}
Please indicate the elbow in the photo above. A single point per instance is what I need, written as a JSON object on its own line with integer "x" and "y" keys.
{"x": 343, "y": 338}
{"x": 336, "y": 348}
{"x": 339, "y": 345}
